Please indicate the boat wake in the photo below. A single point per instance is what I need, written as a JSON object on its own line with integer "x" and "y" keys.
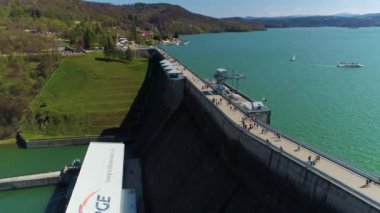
{"x": 325, "y": 65}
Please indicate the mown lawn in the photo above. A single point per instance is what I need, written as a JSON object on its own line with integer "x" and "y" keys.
{"x": 84, "y": 97}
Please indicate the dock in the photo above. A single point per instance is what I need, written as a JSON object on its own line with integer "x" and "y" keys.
{"x": 42, "y": 179}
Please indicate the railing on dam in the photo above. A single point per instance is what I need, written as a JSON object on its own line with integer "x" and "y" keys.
{"x": 324, "y": 155}
{"x": 358, "y": 171}
{"x": 300, "y": 162}
{"x": 312, "y": 149}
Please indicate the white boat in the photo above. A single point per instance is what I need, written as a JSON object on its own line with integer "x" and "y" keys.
{"x": 293, "y": 58}
{"x": 349, "y": 65}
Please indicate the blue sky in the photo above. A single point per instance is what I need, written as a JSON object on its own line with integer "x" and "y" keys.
{"x": 260, "y": 8}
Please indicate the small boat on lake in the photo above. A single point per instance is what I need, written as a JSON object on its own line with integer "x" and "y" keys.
{"x": 349, "y": 65}
{"x": 293, "y": 58}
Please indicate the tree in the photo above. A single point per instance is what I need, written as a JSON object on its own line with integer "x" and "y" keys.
{"x": 108, "y": 46}
{"x": 88, "y": 39}
{"x": 175, "y": 35}
{"x": 128, "y": 54}
{"x": 165, "y": 37}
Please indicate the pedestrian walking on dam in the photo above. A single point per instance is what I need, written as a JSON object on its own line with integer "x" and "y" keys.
{"x": 309, "y": 160}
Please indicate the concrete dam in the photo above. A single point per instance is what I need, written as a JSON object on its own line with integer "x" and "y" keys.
{"x": 195, "y": 158}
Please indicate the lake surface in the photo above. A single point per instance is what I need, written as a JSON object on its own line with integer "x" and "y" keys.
{"x": 334, "y": 109}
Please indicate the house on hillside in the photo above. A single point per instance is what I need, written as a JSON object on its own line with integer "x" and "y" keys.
{"x": 34, "y": 31}
{"x": 65, "y": 50}
{"x": 121, "y": 42}
{"x": 146, "y": 35}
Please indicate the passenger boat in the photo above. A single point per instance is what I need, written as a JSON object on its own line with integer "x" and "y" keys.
{"x": 349, "y": 65}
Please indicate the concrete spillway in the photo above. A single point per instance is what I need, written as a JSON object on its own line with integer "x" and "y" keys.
{"x": 194, "y": 159}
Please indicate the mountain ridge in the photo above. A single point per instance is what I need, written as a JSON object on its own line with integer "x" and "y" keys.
{"x": 337, "y": 20}
{"x": 161, "y": 17}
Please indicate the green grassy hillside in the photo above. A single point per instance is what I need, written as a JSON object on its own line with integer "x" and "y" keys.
{"x": 84, "y": 96}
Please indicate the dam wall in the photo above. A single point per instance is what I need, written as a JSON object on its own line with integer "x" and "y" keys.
{"x": 196, "y": 159}
{"x": 151, "y": 114}
{"x": 140, "y": 52}
{"x": 280, "y": 169}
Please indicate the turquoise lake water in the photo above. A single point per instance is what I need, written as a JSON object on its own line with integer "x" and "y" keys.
{"x": 334, "y": 109}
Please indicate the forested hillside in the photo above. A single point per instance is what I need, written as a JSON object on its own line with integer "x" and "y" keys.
{"x": 32, "y": 30}
{"x": 21, "y": 77}
{"x": 62, "y": 15}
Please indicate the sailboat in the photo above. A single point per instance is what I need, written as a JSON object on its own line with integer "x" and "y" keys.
{"x": 293, "y": 58}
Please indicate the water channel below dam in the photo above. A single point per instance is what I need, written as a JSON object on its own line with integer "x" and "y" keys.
{"x": 17, "y": 162}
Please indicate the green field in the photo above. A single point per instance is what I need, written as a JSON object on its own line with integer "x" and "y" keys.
{"x": 84, "y": 97}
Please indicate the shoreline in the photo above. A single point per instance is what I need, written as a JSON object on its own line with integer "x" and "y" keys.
{"x": 8, "y": 141}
